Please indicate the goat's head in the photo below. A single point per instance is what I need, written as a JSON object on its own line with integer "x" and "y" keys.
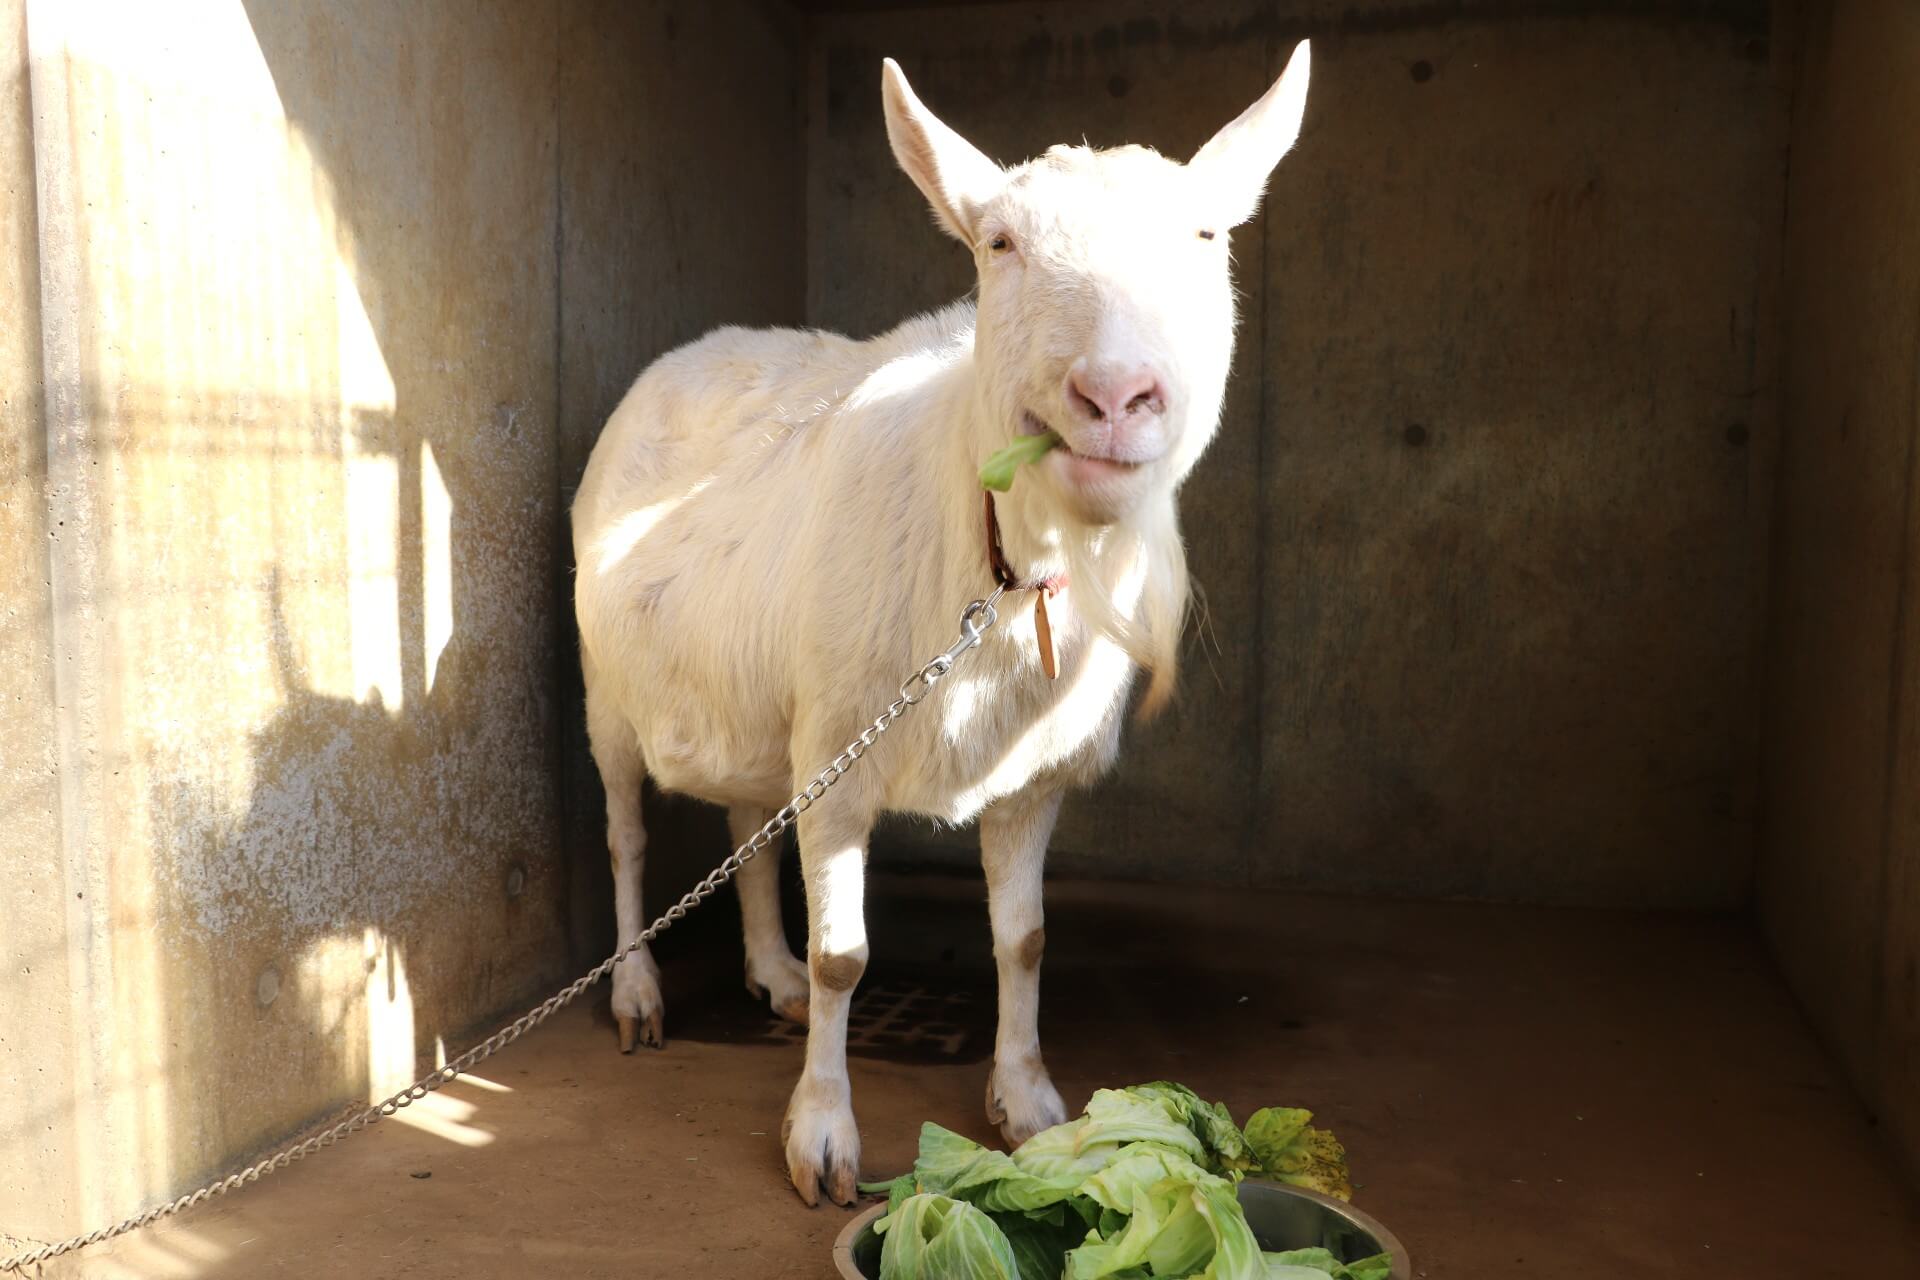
{"x": 1106, "y": 304}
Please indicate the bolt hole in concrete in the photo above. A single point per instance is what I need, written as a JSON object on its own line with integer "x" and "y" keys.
{"x": 1421, "y": 71}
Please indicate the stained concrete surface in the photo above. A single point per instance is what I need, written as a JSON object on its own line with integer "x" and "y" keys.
{"x": 281, "y": 582}
{"x": 1840, "y": 869}
{"x": 32, "y": 938}
{"x": 1522, "y": 1092}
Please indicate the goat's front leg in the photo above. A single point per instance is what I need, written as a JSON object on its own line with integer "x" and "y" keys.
{"x": 822, "y": 1139}
{"x": 1021, "y": 1098}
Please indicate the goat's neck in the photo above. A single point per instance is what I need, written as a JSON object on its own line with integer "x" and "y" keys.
{"x": 1031, "y": 530}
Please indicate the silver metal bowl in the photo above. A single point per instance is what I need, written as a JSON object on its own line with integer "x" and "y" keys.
{"x": 1282, "y": 1217}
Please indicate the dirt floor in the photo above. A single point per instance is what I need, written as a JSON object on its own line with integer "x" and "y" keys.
{"x": 1524, "y": 1093}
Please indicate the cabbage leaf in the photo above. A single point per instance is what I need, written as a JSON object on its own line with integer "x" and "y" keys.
{"x": 1288, "y": 1149}
{"x": 998, "y": 470}
{"x": 934, "y": 1237}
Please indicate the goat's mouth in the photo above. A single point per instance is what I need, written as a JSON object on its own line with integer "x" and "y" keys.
{"x": 1085, "y": 465}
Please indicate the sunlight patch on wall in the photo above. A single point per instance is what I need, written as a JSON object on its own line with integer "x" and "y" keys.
{"x": 186, "y": 48}
{"x": 436, "y": 559}
{"x": 389, "y": 1017}
{"x": 356, "y": 988}
{"x": 366, "y": 384}
{"x": 373, "y": 500}
{"x": 373, "y": 580}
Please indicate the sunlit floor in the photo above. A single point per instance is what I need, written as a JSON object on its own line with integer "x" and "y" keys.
{"x": 1523, "y": 1093}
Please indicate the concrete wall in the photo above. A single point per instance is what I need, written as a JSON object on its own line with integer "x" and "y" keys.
{"x": 1840, "y": 874}
{"x": 280, "y": 553}
{"x": 35, "y": 1040}
{"x": 1482, "y": 538}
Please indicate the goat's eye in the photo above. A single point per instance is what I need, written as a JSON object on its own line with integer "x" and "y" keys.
{"x": 1000, "y": 243}
{"x": 1206, "y": 235}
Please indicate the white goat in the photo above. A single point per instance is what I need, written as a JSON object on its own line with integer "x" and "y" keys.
{"x": 777, "y": 525}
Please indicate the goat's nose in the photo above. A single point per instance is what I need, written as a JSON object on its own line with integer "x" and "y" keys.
{"x": 1113, "y": 395}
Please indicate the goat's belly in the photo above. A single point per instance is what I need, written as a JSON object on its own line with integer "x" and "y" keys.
{"x": 704, "y": 710}
{"x": 726, "y": 755}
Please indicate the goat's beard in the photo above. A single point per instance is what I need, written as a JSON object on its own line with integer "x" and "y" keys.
{"x": 1129, "y": 583}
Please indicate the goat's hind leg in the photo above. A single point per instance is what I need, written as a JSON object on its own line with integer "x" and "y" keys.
{"x": 638, "y": 1011}
{"x": 773, "y": 972}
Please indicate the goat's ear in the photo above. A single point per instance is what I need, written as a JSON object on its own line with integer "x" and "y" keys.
{"x": 948, "y": 169}
{"x": 1236, "y": 161}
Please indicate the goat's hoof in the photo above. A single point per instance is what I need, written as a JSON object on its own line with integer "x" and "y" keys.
{"x": 823, "y": 1147}
{"x": 783, "y": 984}
{"x": 1022, "y": 1102}
{"x": 646, "y": 1031}
{"x": 833, "y": 1178}
{"x": 638, "y": 1011}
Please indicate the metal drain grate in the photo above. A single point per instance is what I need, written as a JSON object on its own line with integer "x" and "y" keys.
{"x": 905, "y": 1020}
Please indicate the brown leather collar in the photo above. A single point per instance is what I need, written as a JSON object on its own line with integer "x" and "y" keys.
{"x": 1041, "y": 587}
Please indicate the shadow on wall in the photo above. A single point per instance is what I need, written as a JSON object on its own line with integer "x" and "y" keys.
{"x": 359, "y": 866}
{"x": 394, "y": 874}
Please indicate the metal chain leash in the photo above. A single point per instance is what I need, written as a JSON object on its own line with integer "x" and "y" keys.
{"x": 974, "y": 621}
